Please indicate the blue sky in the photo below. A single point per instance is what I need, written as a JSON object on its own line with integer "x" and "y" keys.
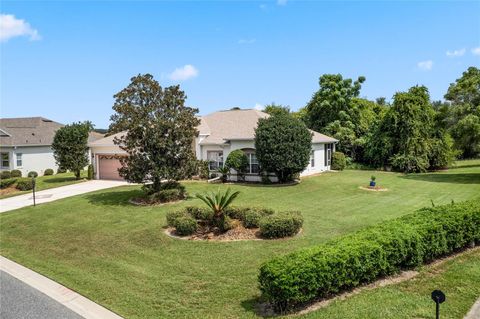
{"x": 65, "y": 60}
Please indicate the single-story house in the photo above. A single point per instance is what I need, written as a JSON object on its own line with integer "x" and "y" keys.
{"x": 219, "y": 134}
{"x": 26, "y": 144}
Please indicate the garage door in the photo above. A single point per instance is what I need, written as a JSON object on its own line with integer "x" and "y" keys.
{"x": 108, "y": 167}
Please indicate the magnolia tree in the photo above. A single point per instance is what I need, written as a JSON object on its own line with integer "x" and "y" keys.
{"x": 70, "y": 148}
{"x": 159, "y": 132}
{"x": 283, "y": 145}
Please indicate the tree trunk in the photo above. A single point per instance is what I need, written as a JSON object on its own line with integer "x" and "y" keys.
{"x": 77, "y": 174}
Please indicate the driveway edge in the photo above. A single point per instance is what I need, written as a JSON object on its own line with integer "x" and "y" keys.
{"x": 68, "y": 298}
{"x": 474, "y": 312}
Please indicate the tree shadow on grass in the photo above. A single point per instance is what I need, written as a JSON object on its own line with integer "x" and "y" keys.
{"x": 452, "y": 178}
{"x": 464, "y": 166}
{"x": 59, "y": 180}
{"x": 114, "y": 198}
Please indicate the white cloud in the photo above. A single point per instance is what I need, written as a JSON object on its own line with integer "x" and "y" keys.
{"x": 425, "y": 65}
{"x": 455, "y": 53}
{"x": 246, "y": 41}
{"x": 258, "y": 106}
{"x": 11, "y": 27}
{"x": 186, "y": 72}
{"x": 281, "y": 2}
{"x": 476, "y": 51}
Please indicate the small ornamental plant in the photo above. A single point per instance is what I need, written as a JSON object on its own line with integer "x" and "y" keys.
{"x": 372, "y": 181}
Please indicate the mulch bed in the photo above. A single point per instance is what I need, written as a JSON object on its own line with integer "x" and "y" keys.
{"x": 238, "y": 232}
{"x": 373, "y": 188}
{"x": 140, "y": 201}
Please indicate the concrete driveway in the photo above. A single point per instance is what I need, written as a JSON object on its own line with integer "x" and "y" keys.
{"x": 52, "y": 194}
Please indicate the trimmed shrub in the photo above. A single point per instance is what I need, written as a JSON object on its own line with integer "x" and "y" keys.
{"x": 185, "y": 225}
{"x": 339, "y": 161}
{"x": 202, "y": 167}
{"x": 167, "y": 195}
{"x": 253, "y": 216}
{"x": 362, "y": 257}
{"x": 173, "y": 215}
{"x": 5, "y": 174}
{"x": 280, "y": 225}
{"x": 236, "y": 212}
{"x": 16, "y": 173}
{"x": 48, "y": 172}
{"x": 24, "y": 184}
{"x": 90, "y": 172}
{"x": 227, "y": 223}
{"x": 238, "y": 161}
{"x": 32, "y": 174}
{"x": 199, "y": 213}
{"x": 5, "y": 183}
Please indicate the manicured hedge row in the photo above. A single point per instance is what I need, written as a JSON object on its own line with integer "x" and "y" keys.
{"x": 364, "y": 256}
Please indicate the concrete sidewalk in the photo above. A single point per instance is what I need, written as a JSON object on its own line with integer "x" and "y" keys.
{"x": 52, "y": 194}
{"x": 60, "y": 294}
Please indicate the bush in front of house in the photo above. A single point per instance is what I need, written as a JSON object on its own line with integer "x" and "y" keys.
{"x": 16, "y": 173}
{"x": 61, "y": 170}
{"x": 32, "y": 174}
{"x": 48, "y": 172}
{"x": 5, "y": 183}
{"x": 283, "y": 145}
{"x": 90, "y": 172}
{"x": 339, "y": 161}
{"x": 185, "y": 225}
{"x": 24, "y": 184}
{"x": 167, "y": 195}
{"x": 281, "y": 225}
{"x": 238, "y": 161}
{"x": 5, "y": 174}
{"x": 368, "y": 254}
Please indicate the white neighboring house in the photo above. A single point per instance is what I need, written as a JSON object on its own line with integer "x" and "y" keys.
{"x": 219, "y": 134}
{"x": 26, "y": 144}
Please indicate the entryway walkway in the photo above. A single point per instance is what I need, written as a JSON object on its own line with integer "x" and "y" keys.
{"x": 52, "y": 194}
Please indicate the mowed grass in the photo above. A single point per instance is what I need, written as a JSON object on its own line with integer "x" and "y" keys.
{"x": 117, "y": 254}
{"x": 52, "y": 181}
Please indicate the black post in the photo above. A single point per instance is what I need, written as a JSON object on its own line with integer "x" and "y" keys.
{"x": 33, "y": 190}
{"x": 439, "y": 297}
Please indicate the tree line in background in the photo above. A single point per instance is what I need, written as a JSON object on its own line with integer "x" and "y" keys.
{"x": 412, "y": 134}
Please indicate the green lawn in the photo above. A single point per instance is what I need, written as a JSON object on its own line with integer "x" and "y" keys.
{"x": 117, "y": 254}
{"x": 46, "y": 182}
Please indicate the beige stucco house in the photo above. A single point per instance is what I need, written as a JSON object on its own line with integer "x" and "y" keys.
{"x": 219, "y": 134}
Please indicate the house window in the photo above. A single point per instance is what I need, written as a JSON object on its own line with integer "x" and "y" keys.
{"x": 328, "y": 154}
{"x": 312, "y": 159}
{"x": 215, "y": 160}
{"x": 5, "y": 160}
{"x": 253, "y": 166}
{"x": 19, "y": 160}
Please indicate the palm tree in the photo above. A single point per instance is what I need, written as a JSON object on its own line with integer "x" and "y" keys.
{"x": 218, "y": 202}
{"x": 224, "y": 171}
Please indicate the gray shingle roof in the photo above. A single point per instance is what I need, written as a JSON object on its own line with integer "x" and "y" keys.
{"x": 223, "y": 126}
{"x": 31, "y": 131}
{"x": 27, "y": 131}
{"x": 240, "y": 124}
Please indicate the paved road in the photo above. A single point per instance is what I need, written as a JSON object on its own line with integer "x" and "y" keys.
{"x": 52, "y": 194}
{"x": 18, "y": 300}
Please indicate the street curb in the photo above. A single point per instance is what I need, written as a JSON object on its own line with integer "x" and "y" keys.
{"x": 474, "y": 312}
{"x": 68, "y": 298}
